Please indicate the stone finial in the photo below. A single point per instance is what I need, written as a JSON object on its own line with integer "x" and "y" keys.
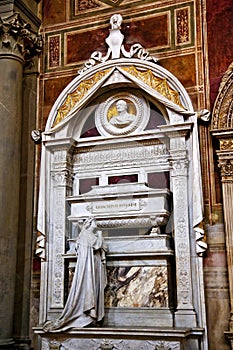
{"x": 115, "y": 38}
{"x": 116, "y": 48}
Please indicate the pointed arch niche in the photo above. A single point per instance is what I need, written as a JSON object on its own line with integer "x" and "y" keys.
{"x": 140, "y": 179}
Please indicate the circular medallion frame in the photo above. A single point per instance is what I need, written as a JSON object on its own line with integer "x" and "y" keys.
{"x": 108, "y": 120}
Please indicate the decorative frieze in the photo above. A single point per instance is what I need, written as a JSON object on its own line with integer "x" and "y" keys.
{"x": 159, "y": 84}
{"x": 122, "y": 156}
{"x": 17, "y": 38}
{"x": 110, "y": 344}
{"x": 226, "y": 144}
{"x": 77, "y": 95}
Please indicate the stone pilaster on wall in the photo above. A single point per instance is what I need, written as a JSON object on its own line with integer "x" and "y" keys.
{"x": 222, "y": 129}
{"x": 185, "y": 310}
{"x": 225, "y": 159}
{"x": 18, "y": 45}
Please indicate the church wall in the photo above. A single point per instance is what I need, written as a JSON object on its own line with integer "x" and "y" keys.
{"x": 172, "y": 31}
{"x": 220, "y": 53}
{"x": 220, "y": 50}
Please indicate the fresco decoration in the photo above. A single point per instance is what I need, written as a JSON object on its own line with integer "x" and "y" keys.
{"x": 54, "y": 56}
{"x": 83, "y": 5}
{"x": 73, "y": 98}
{"x": 161, "y": 30}
{"x": 182, "y": 19}
{"x": 158, "y": 84}
{"x": 137, "y": 286}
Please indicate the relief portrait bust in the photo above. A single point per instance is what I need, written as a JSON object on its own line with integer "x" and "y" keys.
{"x": 121, "y": 113}
{"x": 123, "y": 117}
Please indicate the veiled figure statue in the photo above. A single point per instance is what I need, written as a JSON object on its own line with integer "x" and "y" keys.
{"x": 85, "y": 303}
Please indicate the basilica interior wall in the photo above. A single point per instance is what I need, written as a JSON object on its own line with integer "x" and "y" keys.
{"x": 192, "y": 40}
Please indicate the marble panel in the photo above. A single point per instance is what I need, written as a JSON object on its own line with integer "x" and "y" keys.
{"x": 137, "y": 286}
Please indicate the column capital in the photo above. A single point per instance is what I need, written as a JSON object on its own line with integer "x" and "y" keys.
{"x": 18, "y": 40}
{"x": 225, "y": 163}
{"x": 179, "y": 167}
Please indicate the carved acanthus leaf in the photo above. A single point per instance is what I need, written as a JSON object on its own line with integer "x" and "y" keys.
{"x": 226, "y": 166}
{"x": 16, "y": 37}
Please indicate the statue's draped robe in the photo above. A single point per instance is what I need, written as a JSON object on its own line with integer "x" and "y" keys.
{"x": 85, "y": 303}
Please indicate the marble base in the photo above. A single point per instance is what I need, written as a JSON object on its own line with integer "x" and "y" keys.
{"x": 122, "y": 338}
{"x": 185, "y": 318}
{"x": 229, "y": 335}
{"x": 135, "y": 317}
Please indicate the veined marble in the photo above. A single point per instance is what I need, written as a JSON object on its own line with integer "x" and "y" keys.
{"x": 137, "y": 286}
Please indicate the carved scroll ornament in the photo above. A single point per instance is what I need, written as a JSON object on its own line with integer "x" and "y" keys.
{"x": 116, "y": 48}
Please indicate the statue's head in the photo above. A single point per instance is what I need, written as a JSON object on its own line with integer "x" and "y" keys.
{"x": 89, "y": 222}
{"x": 121, "y": 105}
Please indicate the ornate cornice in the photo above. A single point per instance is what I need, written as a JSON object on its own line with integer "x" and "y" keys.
{"x": 17, "y": 39}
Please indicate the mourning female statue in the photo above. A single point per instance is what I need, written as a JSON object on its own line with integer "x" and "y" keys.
{"x": 85, "y": 303}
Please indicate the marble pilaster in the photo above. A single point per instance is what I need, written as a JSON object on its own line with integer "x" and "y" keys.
{"x": 225, "y": 159}
{"x": 17, "y": 46}
{"x": 185, "y": 310}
